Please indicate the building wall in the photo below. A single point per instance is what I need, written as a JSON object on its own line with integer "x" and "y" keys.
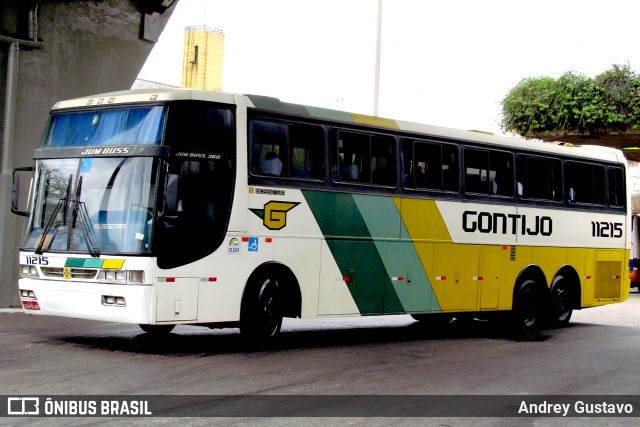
{"x": 202, "y": 58}
{"x": 86, "y": 47}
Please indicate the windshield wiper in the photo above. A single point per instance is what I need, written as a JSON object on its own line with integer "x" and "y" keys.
{"x": 79, "y": 213}
{"x": 80, "y": 210}
{"x": 87, "y": 229}
{"x": 62, "y": 203}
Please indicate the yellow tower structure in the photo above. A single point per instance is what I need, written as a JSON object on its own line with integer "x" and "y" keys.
{"x": 202, "y": 59}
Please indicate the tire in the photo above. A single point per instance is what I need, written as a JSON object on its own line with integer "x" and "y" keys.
{"x": 560, "y": 307}
{"x": 261, "y": 315}
{"x": 526, "y": 312}
{"x": 157, "y": 329}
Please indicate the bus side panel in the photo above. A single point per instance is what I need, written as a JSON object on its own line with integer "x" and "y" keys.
{"x": 549, "y": 259}
{"x": 634, "y": 255}
{"x": 577, "y": 258}
{"x": 519, "y": 258}
{"x": 588, "y": 287}
{"x": 372, "y": 247}
{"x": 334, "y": 297}
{"x": 610, "y": 271}
{"x": 406, "y": 287}
{"x": 303, "y": 257}
{"x": 222, "y": 276}
{"x": 457, "y": 267}
{"x": 491, "y": 268}
{"x": 177, "y": 300}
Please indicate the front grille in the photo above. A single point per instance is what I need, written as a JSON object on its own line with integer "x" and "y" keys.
{"x": 75, "y": 273}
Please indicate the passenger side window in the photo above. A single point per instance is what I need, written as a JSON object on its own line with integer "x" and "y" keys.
{"x": 306, "y": 152}
{"x": 430, "y": 166}
{"x": 584, "y": 183}
{"x": 364, "y": 158}
{"x": 488, "y": 172}
{"x": 539, "y": 178}
{"x": 287, "y": 150}
{"x": 616, "y": 187}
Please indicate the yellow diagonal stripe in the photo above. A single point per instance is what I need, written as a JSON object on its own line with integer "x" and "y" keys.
{"x": 113, "y": 263}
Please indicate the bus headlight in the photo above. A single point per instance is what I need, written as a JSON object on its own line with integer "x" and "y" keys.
{"x": 28, "y": 270}
{"x": 136, "y": 276}
{"x": 121, "y": 276}
{"x": 24, "y": 293}
{"x": 113, "y": 300}
{"x": 112, "y": 275}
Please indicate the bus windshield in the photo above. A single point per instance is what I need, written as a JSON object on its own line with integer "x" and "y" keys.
{"x": 94, "y": 205}
{"x": 122, "y": 126}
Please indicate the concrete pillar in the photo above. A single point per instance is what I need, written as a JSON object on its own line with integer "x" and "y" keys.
{"x": 87, "y": 47}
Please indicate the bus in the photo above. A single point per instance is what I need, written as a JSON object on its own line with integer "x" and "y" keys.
{"x": 164, "y": 207}
{"x": 634, "y": 257}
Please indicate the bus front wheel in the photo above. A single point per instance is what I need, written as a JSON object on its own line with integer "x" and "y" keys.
{"x": 261, "y": 315}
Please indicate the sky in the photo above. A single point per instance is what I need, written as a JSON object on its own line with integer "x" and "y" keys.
{"x": 446, "y": 63}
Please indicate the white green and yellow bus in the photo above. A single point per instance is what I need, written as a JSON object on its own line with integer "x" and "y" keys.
{"x": 164, "y": 207}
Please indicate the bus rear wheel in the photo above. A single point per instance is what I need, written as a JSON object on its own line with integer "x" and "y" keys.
{"x": 261, "y": 315}
{"x": 560, "y": 307}
{"x": 525, "y": 314}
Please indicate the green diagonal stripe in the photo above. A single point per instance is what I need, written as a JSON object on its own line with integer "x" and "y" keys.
{"x": 354, "y": 251}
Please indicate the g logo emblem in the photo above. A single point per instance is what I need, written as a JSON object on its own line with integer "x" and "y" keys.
{"x": 274, "y": 214}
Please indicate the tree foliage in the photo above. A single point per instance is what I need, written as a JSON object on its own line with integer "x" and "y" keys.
{"x": 574, "y": 103}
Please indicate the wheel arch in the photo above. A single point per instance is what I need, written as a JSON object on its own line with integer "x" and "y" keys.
{"x": 570, "y": 277}
{"x": 531, "y": 272}
{"x": 292, "y": 297}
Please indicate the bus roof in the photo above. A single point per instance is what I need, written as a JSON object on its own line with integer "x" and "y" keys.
{"x": 144, "y": 95}
{"x": 270, "y": 104}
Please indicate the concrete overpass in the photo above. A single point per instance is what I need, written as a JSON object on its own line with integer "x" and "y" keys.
{"x": 52, "y": 50}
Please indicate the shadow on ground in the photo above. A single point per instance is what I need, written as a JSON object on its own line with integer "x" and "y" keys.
{"x": 204, "y": 342}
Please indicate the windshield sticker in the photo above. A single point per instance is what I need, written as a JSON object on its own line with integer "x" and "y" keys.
{"x": 198, "y": 155}
{"x": 266, "y": 191}
{"x": 85, "y": 165}
{"x": 105, "y": 151}
{"x": 274, "y": 214}
{"x": 122, "y": 151}
{"x": 109, "y": 226}
{"x": 234, "y": 246}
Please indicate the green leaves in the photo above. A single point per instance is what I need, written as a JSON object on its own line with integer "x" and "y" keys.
{"x": 574, "y": 103}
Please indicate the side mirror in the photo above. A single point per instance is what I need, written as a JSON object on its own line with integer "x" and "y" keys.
{"x": 15, "y": 191}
